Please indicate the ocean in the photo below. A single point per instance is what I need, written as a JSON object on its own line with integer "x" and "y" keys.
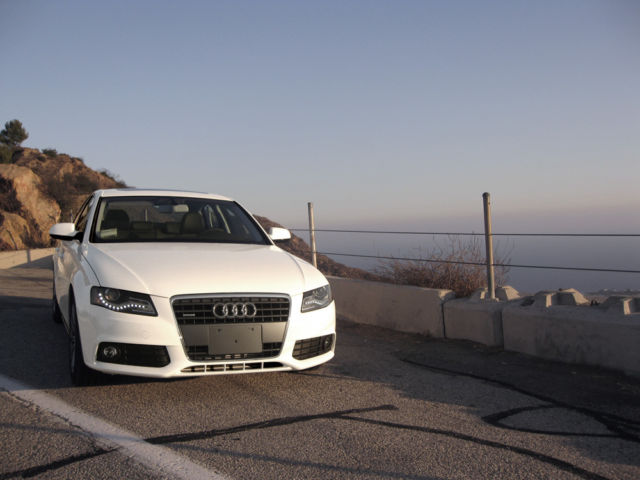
{"x": 583, "y": 252}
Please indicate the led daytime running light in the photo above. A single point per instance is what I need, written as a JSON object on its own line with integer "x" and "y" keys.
{"x": 130, "y": 302}
{"x": 121, "y": 307}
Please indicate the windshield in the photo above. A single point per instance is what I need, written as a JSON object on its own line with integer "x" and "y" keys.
{"x": 173, "y": 219}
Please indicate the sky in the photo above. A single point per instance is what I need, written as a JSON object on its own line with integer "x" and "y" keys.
{"x": 384, "y": 114}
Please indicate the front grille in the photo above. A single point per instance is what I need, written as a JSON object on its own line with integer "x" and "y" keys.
{"x": 312, "y": 347}
{"x": 200, "y": 353}
{"x": 199, "y": 311}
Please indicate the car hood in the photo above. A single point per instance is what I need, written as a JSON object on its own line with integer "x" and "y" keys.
{"x": 192, "y": 268}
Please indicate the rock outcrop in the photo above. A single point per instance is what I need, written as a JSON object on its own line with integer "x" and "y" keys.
{"x": 37, "y": 191}
{"x": 28, "y": 212}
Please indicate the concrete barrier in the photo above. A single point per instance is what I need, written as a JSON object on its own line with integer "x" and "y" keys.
{"x": 398, "y": 307}
{"x": 26, "y": 258}
{"x": 478, "y": 318}
{"x": 562, "y": 326}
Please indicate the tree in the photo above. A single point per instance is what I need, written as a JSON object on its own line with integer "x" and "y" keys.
{"x": 13, "y": 134}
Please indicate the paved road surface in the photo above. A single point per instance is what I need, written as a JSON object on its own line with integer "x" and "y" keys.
{"x": 389, "y": 405}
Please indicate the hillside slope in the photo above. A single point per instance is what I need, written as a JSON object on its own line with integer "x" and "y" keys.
{"x": 39, "y": 190}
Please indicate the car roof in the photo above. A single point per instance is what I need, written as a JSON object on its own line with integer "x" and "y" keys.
{"x": 147, "y": 192}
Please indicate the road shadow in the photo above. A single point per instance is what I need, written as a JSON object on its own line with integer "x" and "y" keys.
{"x": 583, "y": 406}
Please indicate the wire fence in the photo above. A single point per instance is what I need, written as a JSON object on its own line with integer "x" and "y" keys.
{"x": 471, "y": 234}
{"x": 475, "y": 259}
{"x": 456, "y": 262}
{"x": 489, "y": 261}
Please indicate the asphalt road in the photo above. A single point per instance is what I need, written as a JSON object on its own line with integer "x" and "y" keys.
{"x": 389, "y": 405}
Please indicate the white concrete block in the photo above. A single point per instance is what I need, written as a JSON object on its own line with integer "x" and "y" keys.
{"x": 478, "y": 318}
{"x": 599, "y": 335}
{"x": 398, "y": 307}
{"x": 479, "y": 322}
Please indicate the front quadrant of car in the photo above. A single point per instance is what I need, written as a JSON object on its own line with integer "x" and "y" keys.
{"x": 170, "y": 284}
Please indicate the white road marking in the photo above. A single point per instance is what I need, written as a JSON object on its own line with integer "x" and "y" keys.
{"x": 156, "y": 457}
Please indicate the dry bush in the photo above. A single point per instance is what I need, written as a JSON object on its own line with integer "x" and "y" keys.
{"x": 119, "y": 183}
{"x": 429, "y": 270}
{"x": 8, "y": 200}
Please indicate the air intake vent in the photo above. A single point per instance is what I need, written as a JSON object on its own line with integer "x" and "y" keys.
{"x": 312, "y": 347}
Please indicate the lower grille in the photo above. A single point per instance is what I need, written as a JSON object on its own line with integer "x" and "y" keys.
{"x": 132, "y": 354}
{"x": 312, "y": 347}
{"x": 234, "y": 367}
{"x": 200, "y": 353}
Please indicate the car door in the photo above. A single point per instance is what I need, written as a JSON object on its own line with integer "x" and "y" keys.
{"x": 69, "y": 257}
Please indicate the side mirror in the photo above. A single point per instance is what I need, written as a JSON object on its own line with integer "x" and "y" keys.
{"x": 65, "y": 231}
{"x": 278, "y": 234}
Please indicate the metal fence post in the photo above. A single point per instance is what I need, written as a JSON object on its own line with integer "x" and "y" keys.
{"x": 491, "y": 286}
{"x": 312, "y": 235}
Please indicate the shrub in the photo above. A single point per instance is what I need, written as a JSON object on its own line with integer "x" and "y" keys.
{"x": 113, "y": 177}
{"x": 6, "y": 153}
{"x": 428, "y": 270}
{"x": 82, "y": 183}
{"x": 8, "y": 200}
{"x": 50, "y": 152}
{"x": 59, "y": 191}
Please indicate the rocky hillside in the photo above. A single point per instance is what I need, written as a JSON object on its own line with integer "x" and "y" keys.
{"x": 39, "y": 189}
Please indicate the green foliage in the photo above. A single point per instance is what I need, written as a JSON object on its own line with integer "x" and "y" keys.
{"x": 13, "y": 134}
{"x": 50, "y": 152}
{"x": 6, "y": 153}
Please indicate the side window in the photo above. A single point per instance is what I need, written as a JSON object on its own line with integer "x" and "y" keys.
{"x": 81, "y": 219}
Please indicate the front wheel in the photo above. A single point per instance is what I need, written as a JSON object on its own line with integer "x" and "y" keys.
{"x": 80, "y": 373}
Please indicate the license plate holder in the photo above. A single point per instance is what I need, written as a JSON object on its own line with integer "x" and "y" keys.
{"x": 237, "y": 338}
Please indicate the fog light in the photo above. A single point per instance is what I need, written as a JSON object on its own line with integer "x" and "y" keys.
{"x": 326, "y": 343}
{"x": 110, "y": 352}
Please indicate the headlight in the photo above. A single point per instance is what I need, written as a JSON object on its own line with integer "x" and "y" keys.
{"x": 123, "y": 301}
{"x": 316, "y": 298}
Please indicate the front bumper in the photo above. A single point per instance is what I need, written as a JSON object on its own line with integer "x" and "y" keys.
{"x": 308, "y": 340}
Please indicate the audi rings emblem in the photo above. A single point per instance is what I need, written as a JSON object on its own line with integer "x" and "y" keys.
{"x": 235, "y": 310}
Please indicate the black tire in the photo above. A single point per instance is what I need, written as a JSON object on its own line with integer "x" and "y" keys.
{"x": 81, "y": 375}
{"x": 56, "y": 314}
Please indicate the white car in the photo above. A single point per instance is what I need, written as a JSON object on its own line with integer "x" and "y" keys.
{"x": 173, "y": 284}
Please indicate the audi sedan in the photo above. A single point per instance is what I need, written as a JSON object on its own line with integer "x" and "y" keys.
{"x": 174, "y": 284}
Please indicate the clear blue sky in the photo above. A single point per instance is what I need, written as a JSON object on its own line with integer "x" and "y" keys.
{"x": 380, "y": 112}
